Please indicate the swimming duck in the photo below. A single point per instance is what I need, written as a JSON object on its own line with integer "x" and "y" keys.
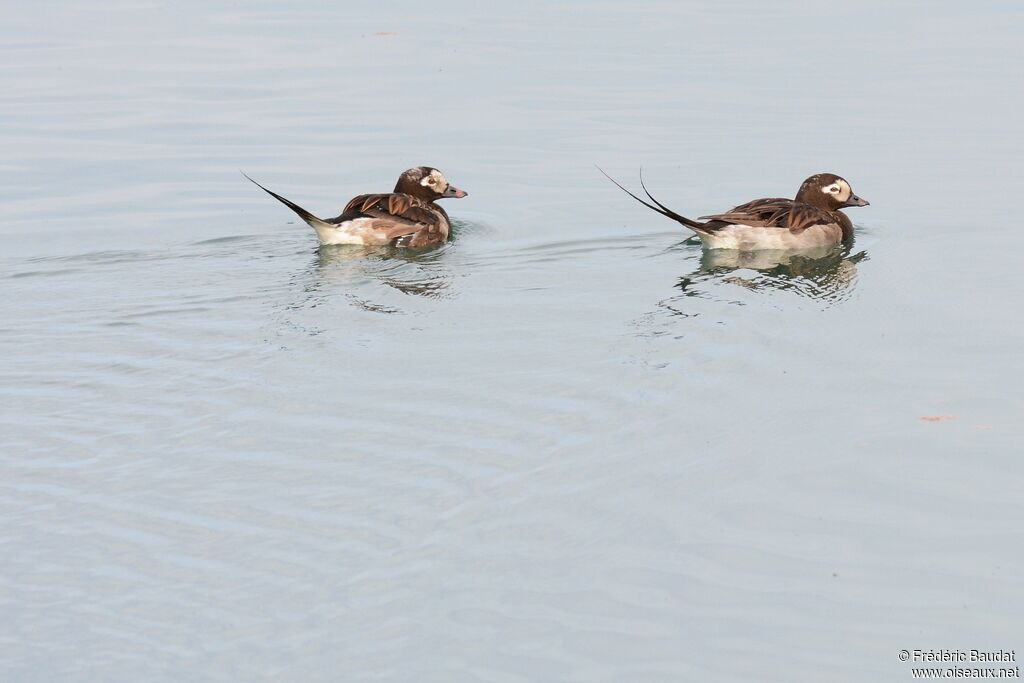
{"x": 811, "y": 220}
{"x": 407, "y": 217}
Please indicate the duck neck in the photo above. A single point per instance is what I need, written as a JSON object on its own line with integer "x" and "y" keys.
{"x": 815, "y": 198}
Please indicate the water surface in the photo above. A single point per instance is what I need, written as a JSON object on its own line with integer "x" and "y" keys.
{"x": 568, "y": 445}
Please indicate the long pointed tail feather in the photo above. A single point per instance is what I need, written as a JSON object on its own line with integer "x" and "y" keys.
{"x": 313, "y": 221}
{"x": 660, "y": 208}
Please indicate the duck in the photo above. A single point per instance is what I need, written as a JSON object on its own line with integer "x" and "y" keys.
{"x": 809, "y": 221}
{"x": 406, "y": 217}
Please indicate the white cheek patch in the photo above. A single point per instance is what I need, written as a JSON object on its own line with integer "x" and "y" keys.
{"x": 840, "y": 188}
{"x": 844, "y": 191}
{"x": 435, "y": 180}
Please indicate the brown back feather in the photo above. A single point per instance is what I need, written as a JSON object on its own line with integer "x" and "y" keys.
{"x": 398, "y": 214}
{"x": 779, "y": 213}
{"x": 393, "y": 204}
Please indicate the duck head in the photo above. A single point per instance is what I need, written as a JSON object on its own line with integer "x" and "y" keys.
{"x": 828, "y": 191}
{"x": 427, "y": 183}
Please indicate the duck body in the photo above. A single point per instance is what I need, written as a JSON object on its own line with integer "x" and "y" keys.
{"x": 810, "y": 221}
{"x": 775, "y": 224}
{"x": 394, "y": 219}
{"x": 406, "y": 217}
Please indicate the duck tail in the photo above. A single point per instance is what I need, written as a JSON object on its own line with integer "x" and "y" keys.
{"x": 314, "y": 222}
{"x": 696, "y": 226}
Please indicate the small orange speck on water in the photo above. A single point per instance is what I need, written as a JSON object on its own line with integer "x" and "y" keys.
{"x": 936, "y": 418}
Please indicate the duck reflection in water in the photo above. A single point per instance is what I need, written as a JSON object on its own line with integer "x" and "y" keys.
{"x": 355, "y": 272}
{"x": 351, "y": 275}
{"x": 825, "y": 273}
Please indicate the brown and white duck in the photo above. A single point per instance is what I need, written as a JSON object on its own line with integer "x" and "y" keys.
{"x": 407, "y": 217}
{"x": 812, "y": 219}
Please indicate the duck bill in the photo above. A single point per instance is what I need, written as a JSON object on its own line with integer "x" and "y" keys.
{"x": 854, "y": 200}
{"x": 455, "y": 192}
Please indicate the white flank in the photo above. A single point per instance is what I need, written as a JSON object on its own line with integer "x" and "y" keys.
{"x": 750, "y": 238}
{"x": 355, "y": 231}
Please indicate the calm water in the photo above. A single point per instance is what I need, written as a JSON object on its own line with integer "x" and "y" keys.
{"x": 566, "y": 446}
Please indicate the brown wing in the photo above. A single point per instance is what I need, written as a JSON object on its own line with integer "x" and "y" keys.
{"x": 775, "y": 213}
{"x": 399, "y": 214}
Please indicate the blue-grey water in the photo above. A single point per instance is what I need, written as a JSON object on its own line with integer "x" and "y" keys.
{"x": 566, "y": 446}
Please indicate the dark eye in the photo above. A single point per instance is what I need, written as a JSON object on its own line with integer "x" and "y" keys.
{"x": 835, "y": 190}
